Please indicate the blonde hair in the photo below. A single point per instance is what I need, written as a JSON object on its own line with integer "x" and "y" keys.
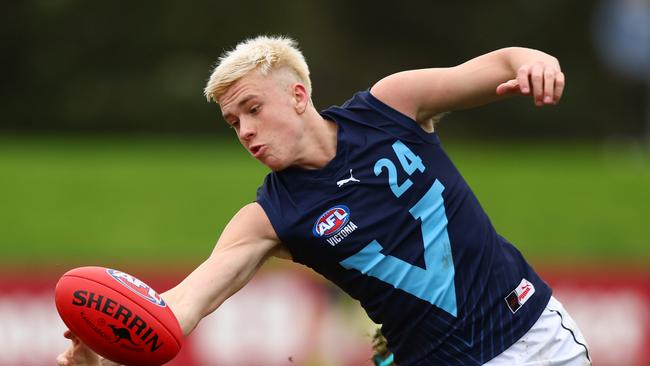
{"x": 262, "y": 53}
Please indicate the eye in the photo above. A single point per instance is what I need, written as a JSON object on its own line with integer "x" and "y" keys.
{"x": 255, "y": 109}
{"x": 234, "y": 124}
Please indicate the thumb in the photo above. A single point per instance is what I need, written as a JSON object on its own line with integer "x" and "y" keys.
{"x": 77, "y": 354}
{"x": 509, "y": 87}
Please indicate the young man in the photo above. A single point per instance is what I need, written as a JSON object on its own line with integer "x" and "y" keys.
{"x": 365, "y": 195}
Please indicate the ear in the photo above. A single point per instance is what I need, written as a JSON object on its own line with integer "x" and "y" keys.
{"x": 300, "y": 97}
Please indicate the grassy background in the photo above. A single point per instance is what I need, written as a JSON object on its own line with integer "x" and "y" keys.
{"x": 116, "y": 201}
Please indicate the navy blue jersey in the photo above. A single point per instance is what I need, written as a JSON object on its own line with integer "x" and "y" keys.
{"x": 391, "y": 221}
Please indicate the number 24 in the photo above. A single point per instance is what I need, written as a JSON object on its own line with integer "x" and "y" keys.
{"x": 410, "y": 163}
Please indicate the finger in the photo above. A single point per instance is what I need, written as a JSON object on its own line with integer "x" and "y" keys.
{"x": 75, "y": 340}
{"x": 559, "y": 87}
{"x": 71, "y": 336}
{"x": 549, "y": 85}
{"x": 63, "y": 359}
{"x": 537, "y": 83}
{"x": 522, "y": 79}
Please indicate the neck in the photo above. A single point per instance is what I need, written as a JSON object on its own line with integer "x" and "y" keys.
{"x": 321, "y": 141}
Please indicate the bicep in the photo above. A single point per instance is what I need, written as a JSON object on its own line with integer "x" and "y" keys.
{"x": 249, "y": 231}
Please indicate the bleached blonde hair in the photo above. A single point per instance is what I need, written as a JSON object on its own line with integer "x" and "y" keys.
{"x": 263, "y": 54}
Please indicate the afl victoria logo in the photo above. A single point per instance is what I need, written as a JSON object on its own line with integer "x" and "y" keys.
{"x": 331, "y": 221}
{"x": 137, "y": 286}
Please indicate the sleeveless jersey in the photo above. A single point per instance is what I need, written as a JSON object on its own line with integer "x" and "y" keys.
{"x": 391, "y": 221}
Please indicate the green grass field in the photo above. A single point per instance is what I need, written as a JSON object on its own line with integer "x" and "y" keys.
{"x": 73, "y": 200}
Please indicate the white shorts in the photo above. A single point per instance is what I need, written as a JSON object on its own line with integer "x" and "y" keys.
{"x": 553, "y": 340}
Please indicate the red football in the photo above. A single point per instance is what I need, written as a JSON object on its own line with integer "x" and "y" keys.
{"x": 118, "y": 316}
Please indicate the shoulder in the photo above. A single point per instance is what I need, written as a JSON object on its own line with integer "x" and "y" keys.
{"x": 400, "y": 91}
{"x": 406, "y": 92}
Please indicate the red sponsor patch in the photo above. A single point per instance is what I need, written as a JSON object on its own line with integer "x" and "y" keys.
{"x": 520, "y": 295}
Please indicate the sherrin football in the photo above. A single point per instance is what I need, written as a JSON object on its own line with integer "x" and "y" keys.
{"x": 118, "y": 316}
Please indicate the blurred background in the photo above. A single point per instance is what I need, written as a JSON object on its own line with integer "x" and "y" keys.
{"x": 111, "y": 156}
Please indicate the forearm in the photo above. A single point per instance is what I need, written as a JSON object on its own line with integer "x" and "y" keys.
{"x": 203, "y": 291}
{"x": 187, "y": 302}
{"x": 224, "y": 273}
{"x": 475, "y": 82}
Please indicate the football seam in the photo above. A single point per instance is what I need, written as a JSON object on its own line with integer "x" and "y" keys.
{"x": 178, "y": 343}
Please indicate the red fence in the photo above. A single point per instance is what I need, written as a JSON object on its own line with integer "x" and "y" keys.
{"x": 289, "y": 317}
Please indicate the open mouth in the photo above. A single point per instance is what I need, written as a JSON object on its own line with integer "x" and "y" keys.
{"x": 257, "y": 150}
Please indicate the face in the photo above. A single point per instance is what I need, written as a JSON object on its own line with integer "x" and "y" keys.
{"x": 265, "y": 113}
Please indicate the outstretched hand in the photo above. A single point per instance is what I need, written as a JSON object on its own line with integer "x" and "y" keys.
{"x": 543, "y": 81}
{"x": 78, "y": 354}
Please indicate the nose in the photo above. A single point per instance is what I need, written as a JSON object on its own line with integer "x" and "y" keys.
{"x": 246, "y": 129}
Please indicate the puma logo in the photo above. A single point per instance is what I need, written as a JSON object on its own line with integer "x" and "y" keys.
{"x": 347, "y": 180}
{"x": 122, "y": 333}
